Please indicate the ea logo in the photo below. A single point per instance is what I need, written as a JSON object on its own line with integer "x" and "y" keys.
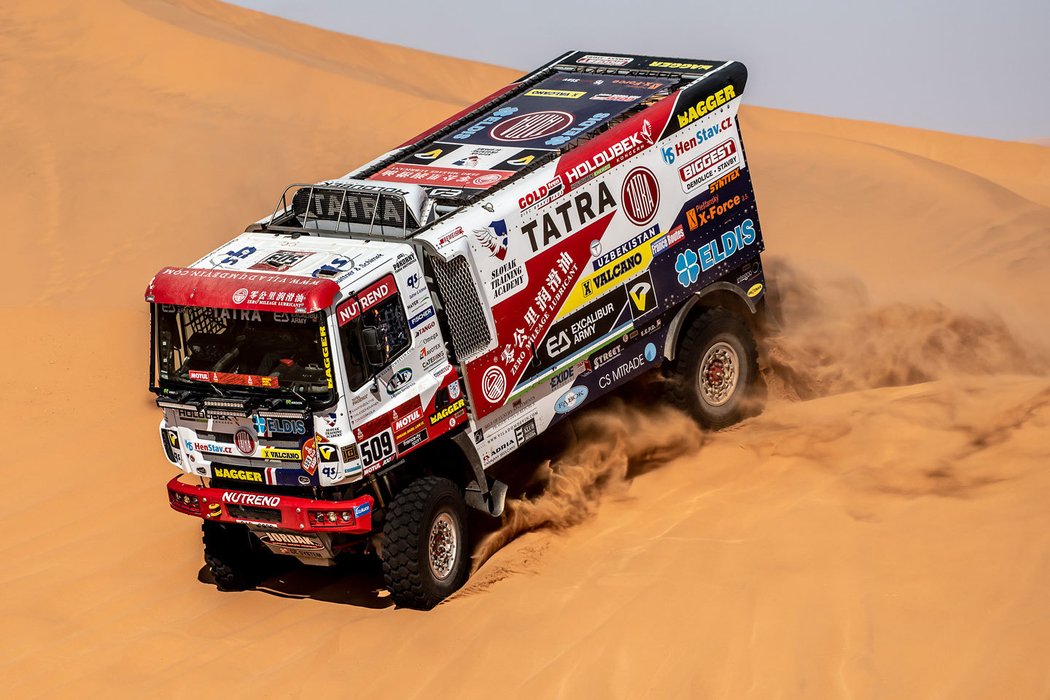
{"x": 240, "y": 295}
{"x": 494, "y": 384}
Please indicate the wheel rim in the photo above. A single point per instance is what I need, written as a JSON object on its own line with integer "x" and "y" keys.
{"x": 718, "y": 375}
{"x": 443, "y": 546}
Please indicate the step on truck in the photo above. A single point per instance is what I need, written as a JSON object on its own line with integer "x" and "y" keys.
{"x": 340, "y": 378}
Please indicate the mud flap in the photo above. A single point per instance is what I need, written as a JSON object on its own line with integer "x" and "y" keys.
{"x": 484, "y": 494}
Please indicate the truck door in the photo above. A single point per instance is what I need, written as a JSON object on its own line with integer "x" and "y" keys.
{"x": 401, "y": 386}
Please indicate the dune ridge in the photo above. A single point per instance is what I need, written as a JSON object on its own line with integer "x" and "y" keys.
{"x": 879, "y": 530}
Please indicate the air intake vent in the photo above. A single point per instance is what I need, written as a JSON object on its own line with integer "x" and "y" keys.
{"x": 466, "y": 318}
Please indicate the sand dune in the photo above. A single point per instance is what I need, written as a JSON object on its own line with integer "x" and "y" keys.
{"x": 879, "y": 530}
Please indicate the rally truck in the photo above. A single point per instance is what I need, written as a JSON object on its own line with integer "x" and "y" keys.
{"x": 340, "y": 379}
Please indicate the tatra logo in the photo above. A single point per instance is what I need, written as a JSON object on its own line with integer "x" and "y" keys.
{"x": 447, "y": 411}
{"x": 569, "y": 215}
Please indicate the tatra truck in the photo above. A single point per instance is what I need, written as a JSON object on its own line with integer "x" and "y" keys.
{"x": 339, "y": 379}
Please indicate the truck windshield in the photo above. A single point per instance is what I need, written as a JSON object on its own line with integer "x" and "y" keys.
{"x": 240, "y": 350}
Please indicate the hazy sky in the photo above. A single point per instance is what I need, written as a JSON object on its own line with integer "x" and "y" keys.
{"x": 965, "y": 66}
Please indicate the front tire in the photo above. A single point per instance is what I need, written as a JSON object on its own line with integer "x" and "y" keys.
{"x": 716, "y": 369}
{"x": 425, "y": 546}
{"x": 236, "y": 559}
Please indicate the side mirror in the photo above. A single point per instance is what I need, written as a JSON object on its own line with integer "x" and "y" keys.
{"x": 374, "y": 354}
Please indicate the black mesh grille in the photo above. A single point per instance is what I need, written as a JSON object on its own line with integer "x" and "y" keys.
{"x": 470, "y": 332}
{"x": 263, "y": 515}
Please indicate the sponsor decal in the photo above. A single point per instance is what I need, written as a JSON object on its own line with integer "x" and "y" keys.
{"x": 541, "y": 195}
{"x": 525, "y": 432}
{"x": 326, "y": 354}
{"x": 266, "y": 427}
{"x": 447, "y": 411}
{"x": 377, "y": 449}
{"x": 240, "y": 295}
{"x": 401, "y": 424}
{"x": 706, "y": 104}
{"x": 642, "y": 296}
{"x": 451, "y": 235}
{"x": 582, "y": 327}
{"x": 562, "y": 377}
{"x": 640, "y": 196}
{"x": 244, "y": 441}
{"x": 403, "y": 261}
{"x": 281, "y": 454}
{"x": 571, "y": 399}
{"x": 533, "y": 125}
{"x": 238, "y": 474}
{"x": 234, "y": 379}
{"x": 755, "y": 290}
{"x": 250, "y": 499}
{"x": 327, "y": 452}
{"x": 506, "y": 278}
{"x": 310, "y": 458}
{"x": 604, "y": 358}
{"x": 594, "y": 60}
{"x": 622, "y": 372}
{"x": 366, "y": 299}
{"x": 281, "y": 260}
{"x": 291, "y": 541}
{"x": 562, "y": 94}
{"x": 687, "y": 267}
{"x": 493, "y": 238}
{"x": 433, "y": 175}
{"x": 414, "y": 441}
{"x": 650, "y": 352}
{"x": 399, "y": 380}
{"x": 614, "y": 97}
{"x": 421, "y": 317}
{"x": 628, "y": 265}
{"x": 208, "y": 448}
{"x": 723, "y": 181}
{"x": 479, "y": 126}
{"x": 568, "y": 216}
{"x": 609, "y": 156}
{"x": 494, "y": 384}
{"x": 710, "y": 164}
{"x": 731, "y": 242}
{"x": 705, "y": 133}
{"x": 680, "y": 66}
{"x": 454, "y": 390}
{"x": 706, "y": 212}
{"x": 349, "y": 453}
{"x": 362, "y": 510}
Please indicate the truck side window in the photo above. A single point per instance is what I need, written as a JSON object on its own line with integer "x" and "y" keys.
{"x": 391, "y": 324}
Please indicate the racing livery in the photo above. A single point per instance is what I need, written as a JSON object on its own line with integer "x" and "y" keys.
{"x": 342, "y": 376}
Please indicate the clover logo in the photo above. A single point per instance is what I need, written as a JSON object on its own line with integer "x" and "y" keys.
{"x": 687, "y": 268}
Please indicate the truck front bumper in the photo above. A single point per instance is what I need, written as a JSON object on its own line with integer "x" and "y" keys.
{"x": 290, "y": 513}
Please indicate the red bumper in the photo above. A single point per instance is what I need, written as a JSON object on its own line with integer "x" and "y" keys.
{"x": 282, "y": 512}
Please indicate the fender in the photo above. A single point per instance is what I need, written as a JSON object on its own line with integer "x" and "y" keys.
{"x": 675, "y": 326}
{"x": 481, "y": 494}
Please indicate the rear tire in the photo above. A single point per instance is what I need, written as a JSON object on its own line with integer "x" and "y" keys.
{"x": 716, "y": 369}
{"x": 236, "y": 559}
{"x": 425, "y": 545}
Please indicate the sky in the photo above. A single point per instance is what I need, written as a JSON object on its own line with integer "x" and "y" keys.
{"x": 967, "y": 66}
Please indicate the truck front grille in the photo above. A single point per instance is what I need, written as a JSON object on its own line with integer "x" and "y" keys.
{"x": 259, "y": 515}
{"x": 470, "y": 331}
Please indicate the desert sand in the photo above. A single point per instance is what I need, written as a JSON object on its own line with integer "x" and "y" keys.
{"x": 879, "y": 530}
